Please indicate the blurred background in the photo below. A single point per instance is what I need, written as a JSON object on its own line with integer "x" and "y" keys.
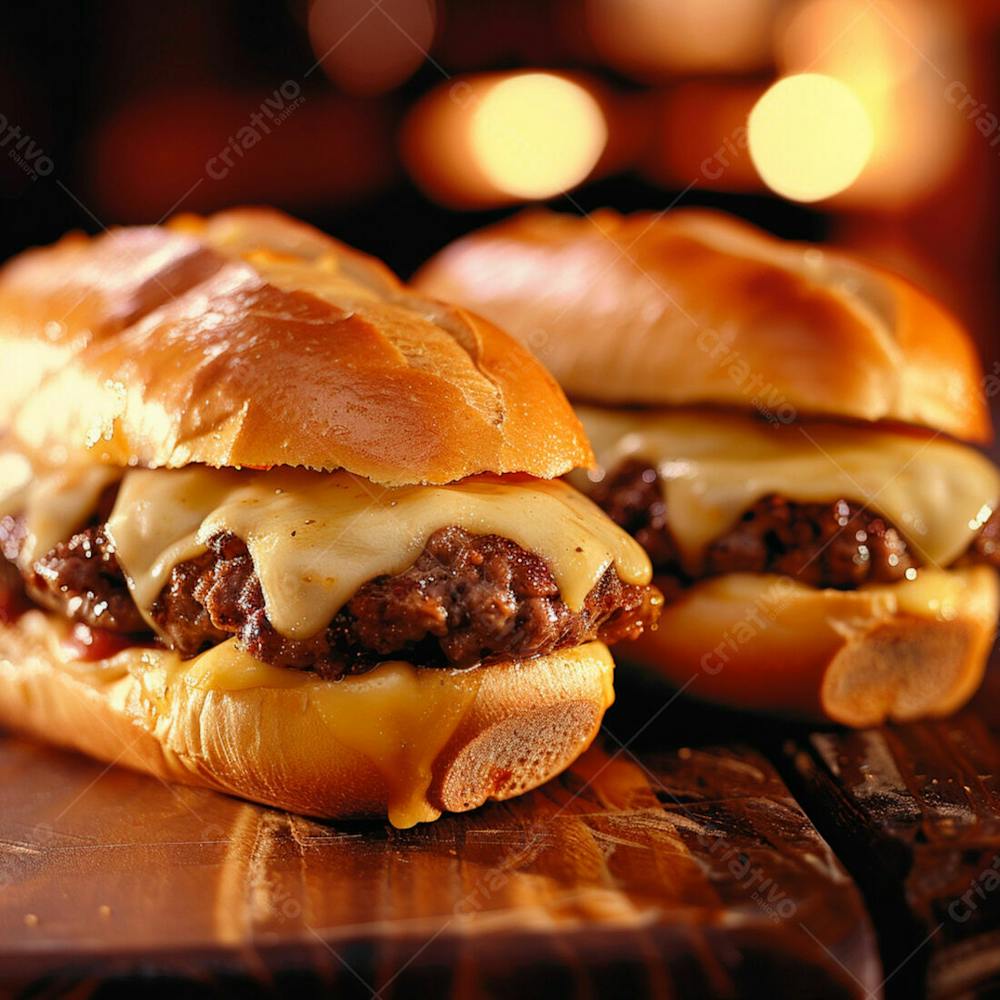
{"x": 398, "y": 125}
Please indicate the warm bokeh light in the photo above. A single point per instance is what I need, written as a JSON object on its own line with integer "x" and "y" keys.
{"x": 368, "y": 48}
{"x": 896, "y": 56}
{"x": 849, "y": 39}
{"x": 649, "y": 38}
{"x": 498, "y": 138}
{"x": 810, "y": 137}
{"x": 537, "y": 135}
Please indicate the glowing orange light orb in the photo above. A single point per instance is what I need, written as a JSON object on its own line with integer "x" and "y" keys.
{"x": 810, "y": 137}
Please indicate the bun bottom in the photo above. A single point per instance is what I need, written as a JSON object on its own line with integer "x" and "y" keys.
{"x": 768, "y": 643}
{"x": 400, "y": 741}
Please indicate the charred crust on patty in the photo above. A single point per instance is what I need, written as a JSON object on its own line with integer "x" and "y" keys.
{"x": 468, "y": 599}
{"x": 840, "y": 545}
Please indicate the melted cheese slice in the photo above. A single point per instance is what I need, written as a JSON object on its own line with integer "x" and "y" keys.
{"x": 316, "y": 538}
{"x": 54, "y": 504}
{"x": 715, "y": 466}
{"x": 399, "y": 717}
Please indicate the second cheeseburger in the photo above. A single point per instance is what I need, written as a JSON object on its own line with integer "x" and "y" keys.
{"x": 783, "y": 427}
{"x": 277, "y": 525}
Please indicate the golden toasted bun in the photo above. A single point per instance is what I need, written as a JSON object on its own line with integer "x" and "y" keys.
{"x": 768, "y": 643}
{"x": 697, "y": 307}
{"x": 250, "y": 339}
{"x": 520, "y": 723}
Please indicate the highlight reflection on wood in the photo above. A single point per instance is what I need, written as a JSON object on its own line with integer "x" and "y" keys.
{"x": 694, "y": 872}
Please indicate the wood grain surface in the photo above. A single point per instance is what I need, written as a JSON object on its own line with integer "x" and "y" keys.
{"x": 690, "y": 871}
{"x": 692, "y": 853}
{"x": 914, "y": 811}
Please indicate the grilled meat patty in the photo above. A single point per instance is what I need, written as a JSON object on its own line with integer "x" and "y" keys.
{"x": 840, "y": 544}
{"x": 467, "y": 599}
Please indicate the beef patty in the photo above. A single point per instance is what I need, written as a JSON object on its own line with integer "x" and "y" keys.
{"x": 839, "y": 544}
{"x": 467, "y": 599}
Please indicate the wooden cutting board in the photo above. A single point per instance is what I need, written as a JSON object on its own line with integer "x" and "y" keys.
{"x": 683, "y": 856}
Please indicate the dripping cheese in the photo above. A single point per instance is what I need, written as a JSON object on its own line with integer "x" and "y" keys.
{"x": 715, "y": 466}
{"x": 316, "y": 538}
{"x": 54, "y": 504}
{"x": 399, "y": 717}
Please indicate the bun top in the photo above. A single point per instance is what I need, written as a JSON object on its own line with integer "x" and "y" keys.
{"x": 251, "y": 339}
{"x": 695, "y": 307}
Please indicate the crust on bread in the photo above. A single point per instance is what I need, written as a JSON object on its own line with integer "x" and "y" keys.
{"x": 250, "y": 339}
{"x": 768, "y": 643}
{"x": 698, "y": 307}
{"x": 515, "y": 726}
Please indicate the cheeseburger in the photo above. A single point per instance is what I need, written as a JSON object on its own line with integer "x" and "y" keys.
{"x": 275, "y": 524}
{"x": 785, "y": 429}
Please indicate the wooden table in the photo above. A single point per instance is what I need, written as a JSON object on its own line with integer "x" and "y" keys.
{"x": 693, "y": 853}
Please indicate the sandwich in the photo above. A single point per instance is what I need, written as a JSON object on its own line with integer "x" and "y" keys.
{"x": 790, "y": 434}
{"x": 275, "y": 524}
